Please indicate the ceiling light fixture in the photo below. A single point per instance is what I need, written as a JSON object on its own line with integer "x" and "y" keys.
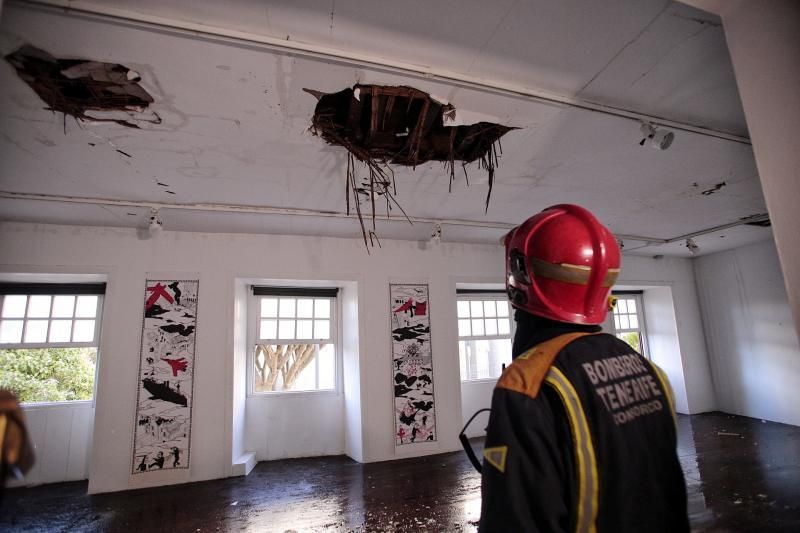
{"x": 156, "y": 225}
{"x": 692, "y": 246}
{"x": 657, "y": 138}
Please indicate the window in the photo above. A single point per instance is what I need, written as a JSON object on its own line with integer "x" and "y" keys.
{"x": 49, "y": 337}
{"x": 295, "y": 340}
{"x": 629, "y": 320}
{"x": 484, "y": 334}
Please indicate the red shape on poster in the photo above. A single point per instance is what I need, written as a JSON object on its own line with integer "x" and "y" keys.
{"x": 177, "y": 364}
{"x": 158, "y": 290}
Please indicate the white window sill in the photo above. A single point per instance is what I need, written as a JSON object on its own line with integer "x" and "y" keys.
{"x": 480, "y": 380}
{"x": 285, "y": 395}
{"x": 85, "y": 404}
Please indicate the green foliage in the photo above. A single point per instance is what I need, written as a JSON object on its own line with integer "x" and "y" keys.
{"x": 632, "y": 338}
{"x": 48, "y": 374}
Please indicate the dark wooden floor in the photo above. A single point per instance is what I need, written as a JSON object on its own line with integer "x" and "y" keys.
{"x": 742, "y": 474}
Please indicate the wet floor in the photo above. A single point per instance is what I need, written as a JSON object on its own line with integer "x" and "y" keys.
{"x": 742, "y": 474}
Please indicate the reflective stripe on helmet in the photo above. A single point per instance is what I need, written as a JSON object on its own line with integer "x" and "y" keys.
{"x": 575, "y": 274}
{"x": 588, "y": 482}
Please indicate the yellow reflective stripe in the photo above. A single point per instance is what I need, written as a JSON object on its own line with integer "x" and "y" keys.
{"x": 588, "y": 479}
{"x": 496, "y": 457}
{"x": 662, "y": 378}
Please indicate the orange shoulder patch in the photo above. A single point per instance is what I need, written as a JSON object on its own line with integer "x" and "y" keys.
{"x": 526, "y": 374}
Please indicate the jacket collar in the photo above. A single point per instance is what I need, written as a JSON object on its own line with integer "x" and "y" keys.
{"x": 533, "y": 330}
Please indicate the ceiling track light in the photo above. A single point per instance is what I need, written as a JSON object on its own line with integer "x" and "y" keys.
{"x": 659, "y": 139}
{"x": 436, "y": 235}
{"x": 155, "y": 226}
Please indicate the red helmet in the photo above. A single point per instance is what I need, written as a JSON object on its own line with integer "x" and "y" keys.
{"x": 561, "y": 264}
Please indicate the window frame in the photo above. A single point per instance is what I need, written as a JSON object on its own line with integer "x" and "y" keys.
{"x": 54, "y": 289}
{"x": 483, "y": 295}
{"x": 638, "y": 296}
{"x": 254, "y": 316}
{"x": 22, "y": 345}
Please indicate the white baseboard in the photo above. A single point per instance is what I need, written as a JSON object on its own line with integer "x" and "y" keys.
{"x": 244, "y": 464}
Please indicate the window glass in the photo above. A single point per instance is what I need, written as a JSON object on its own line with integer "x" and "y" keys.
{"x": 294, "y": 349}
{"x": 35, "y": 331}
{"x": 504, "y": 326}
{"x": 63, "y": 306}
{"x": 484, "y": 358}
{"x": 322, "y": 308}
{"x": 14, "y": 305}
{"x": 269, "y": 329}
{"x": 484, "y": 330}
{"x": 83, "y": 331}
{"x": 305, "y": 308}
{"x": 48, "y": 374}
{"x": 286, "y": 329}
{"x": 287, "y": 306}
{"x": 48, "y": 350}
{"x": 502, "y": 308}
{"x": 269, "y": 307}
{"x": 38, "y": 306}
{"x": 11, "y": 331}
{"x": 476, "y": 308}
{"x": 60, "y": 331}
{"x": 86, "y": 307}
{"x": 628, "y": 321}
{"x": 322, "y": 329}
{"x": 305, "y": 329}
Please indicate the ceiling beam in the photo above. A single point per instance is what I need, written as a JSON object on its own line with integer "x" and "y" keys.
{"x": 269, "y": 210}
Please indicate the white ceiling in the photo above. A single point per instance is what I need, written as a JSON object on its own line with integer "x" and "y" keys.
{"x": 235, "y": 118}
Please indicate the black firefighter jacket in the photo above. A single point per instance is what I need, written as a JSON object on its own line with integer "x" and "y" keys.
{"x": 582, "y": 437}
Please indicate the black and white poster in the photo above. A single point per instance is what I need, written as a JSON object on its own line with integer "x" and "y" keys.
{"x": 415, "y": 419}
{"x": 166, "y": 370}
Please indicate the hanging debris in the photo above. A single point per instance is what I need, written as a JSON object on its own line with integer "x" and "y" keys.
{"x": 383, "y": 125}
{"x": 84, "y": 89}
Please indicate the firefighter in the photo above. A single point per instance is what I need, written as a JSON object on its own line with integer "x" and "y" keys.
{"x": 582, "y": 433}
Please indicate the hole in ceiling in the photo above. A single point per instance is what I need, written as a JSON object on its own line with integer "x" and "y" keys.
{"x": 388, "y": 125}
{"x": 760, "y": 223}
{"x": 84, "y": 89}
{"x": 714, "y": 189}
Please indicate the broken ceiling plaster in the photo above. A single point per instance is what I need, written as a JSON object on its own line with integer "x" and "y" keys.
{"x": 84, "y": 89}
{"x": 387, "y": 125}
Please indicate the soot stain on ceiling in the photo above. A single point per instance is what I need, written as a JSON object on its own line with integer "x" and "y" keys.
{"x": 77, "y": 87}
{"x": 394, "y": 125}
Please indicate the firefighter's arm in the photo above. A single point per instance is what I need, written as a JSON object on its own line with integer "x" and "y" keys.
{"x": 527, "y": 470}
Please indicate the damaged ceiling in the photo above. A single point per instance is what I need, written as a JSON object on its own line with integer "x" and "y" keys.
{"x": 233, "y": 126}
{"x": 83, "y": 89}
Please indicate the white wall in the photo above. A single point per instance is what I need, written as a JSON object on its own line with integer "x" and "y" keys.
{"x": 62, "y": 438}
{"x": 764, "y": 42}
{"x": 221, "y": 260}
{"x": 476, "y": 395}
{"x": 688, "y": 370}
{"x": 663, "y": 340}
{"x": 752, "y": 341}
{"x": 238, "y": 372}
